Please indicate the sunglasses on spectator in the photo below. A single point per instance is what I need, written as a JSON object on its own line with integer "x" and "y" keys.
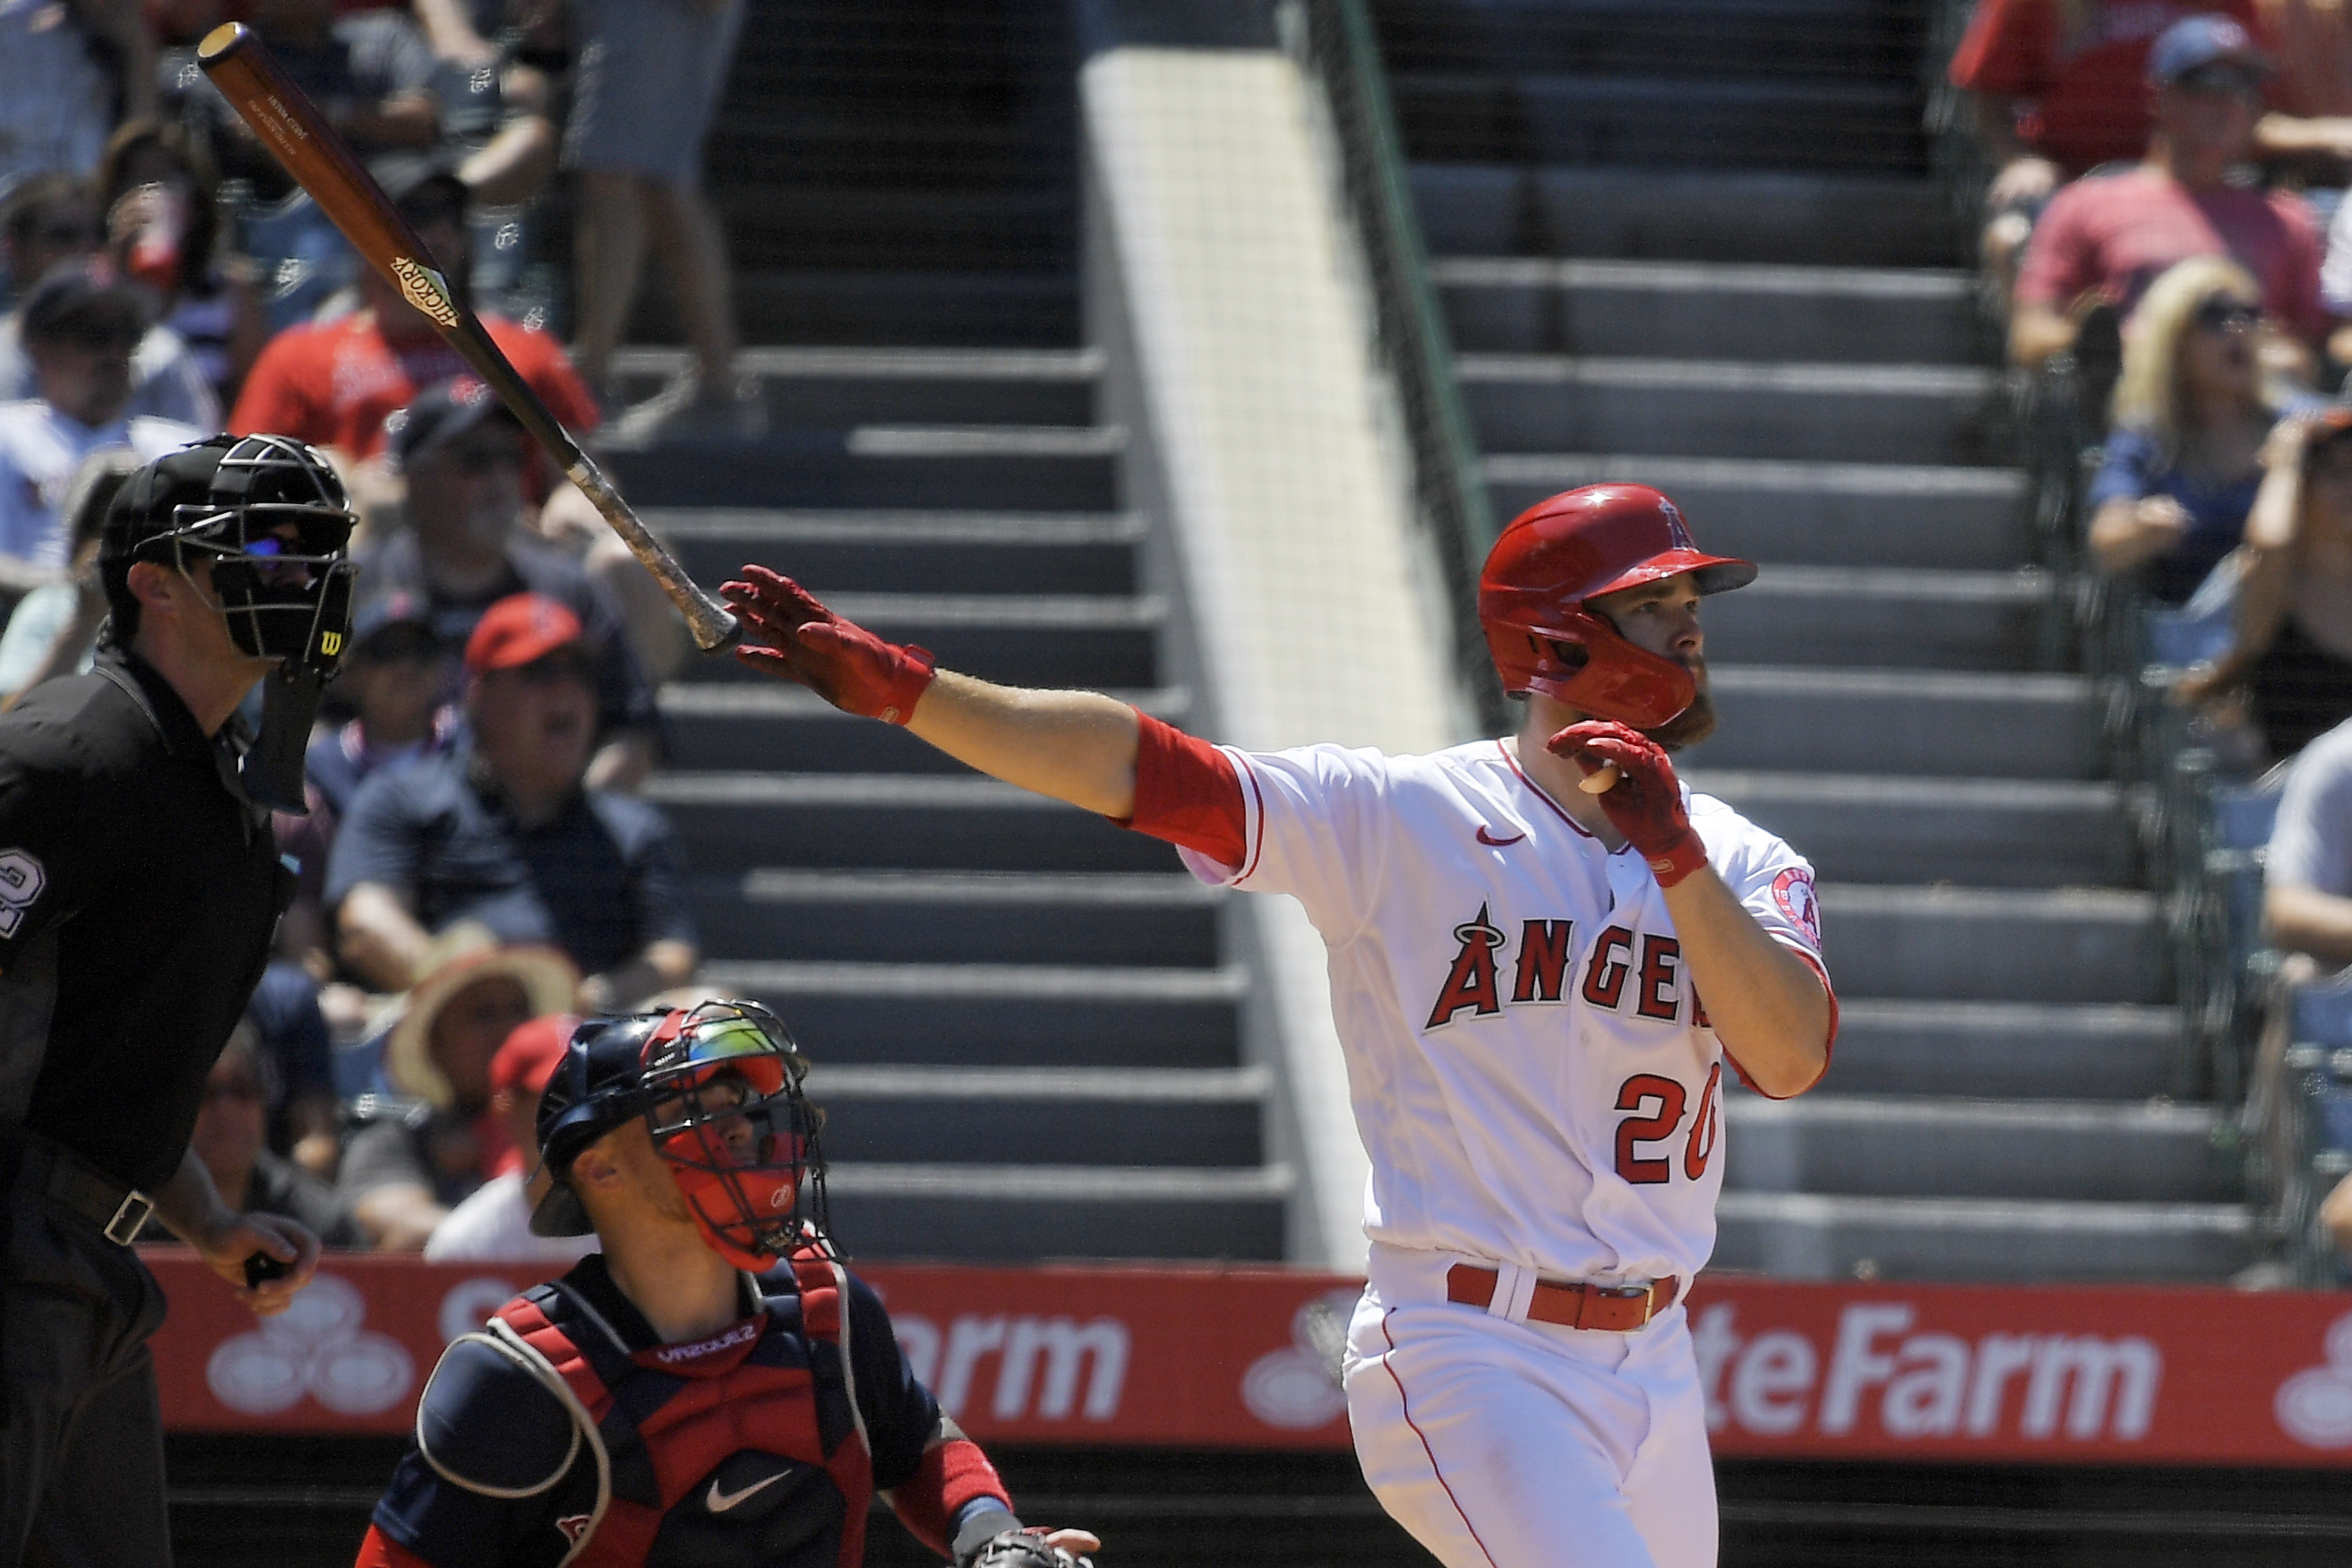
{"x": 2220, "y": 315}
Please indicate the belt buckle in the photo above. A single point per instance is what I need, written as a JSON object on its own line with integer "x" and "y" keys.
{"x": 129, "y": 1215}
{"x": 1646, "y": 1294}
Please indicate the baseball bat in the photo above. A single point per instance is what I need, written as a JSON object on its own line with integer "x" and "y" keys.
{"x": 290, "y": 126}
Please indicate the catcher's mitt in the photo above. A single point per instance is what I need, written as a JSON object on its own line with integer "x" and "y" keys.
{"x": 1021, "y": 1549}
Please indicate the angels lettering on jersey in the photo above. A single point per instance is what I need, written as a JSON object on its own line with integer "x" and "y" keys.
{"x": 1628, "y": 971}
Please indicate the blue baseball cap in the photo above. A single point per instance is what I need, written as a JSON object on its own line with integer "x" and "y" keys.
{"x": 2198, "y": 41}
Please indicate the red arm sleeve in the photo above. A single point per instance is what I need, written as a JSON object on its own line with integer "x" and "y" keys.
{"x": 1186, "y": 792}
{"x": 381, "y": 1551}
{"x": 954, "y": 1473}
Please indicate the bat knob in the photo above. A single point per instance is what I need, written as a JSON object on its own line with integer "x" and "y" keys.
{"x": 1599, "y": 783}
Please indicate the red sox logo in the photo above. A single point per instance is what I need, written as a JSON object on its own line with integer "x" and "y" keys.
{"x": 1792, "y": 890}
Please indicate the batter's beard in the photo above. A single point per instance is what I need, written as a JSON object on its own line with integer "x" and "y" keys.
{"x": 1690, "y": 726}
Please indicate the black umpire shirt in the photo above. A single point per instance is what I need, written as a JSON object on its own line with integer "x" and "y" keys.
{"x": 139, "y": 892}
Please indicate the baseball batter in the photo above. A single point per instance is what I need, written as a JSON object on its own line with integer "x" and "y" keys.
{"x": 1545, "y": 954}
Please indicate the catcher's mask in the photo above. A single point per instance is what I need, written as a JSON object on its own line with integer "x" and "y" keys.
{"x": 1573, "y": 548}
{"x": 270, "y": 516}
{"x": 718, "y": 1088}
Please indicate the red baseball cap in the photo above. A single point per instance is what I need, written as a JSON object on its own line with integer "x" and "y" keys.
{"x": 532, "y": 1053}
{"x": 520, "y": 629}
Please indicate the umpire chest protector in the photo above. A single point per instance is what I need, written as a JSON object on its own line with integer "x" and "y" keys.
{"x": 744, "y": 1447}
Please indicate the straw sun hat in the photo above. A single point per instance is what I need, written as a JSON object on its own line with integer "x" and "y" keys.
{"x": 459, "y": 957}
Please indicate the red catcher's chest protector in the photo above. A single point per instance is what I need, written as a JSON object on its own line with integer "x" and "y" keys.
{"x": 686, "y": 1437}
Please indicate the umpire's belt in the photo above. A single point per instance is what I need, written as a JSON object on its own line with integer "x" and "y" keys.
{"x": 1613, "y": 1309}
{"x": 66, "y": 1178}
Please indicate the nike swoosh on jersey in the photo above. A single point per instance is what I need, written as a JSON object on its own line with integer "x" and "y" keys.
{"x": 1485, "y": 838}
{"x": 718, "y": 1501}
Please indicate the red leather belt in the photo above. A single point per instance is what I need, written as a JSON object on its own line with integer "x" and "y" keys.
{"x": 1613, "y": 1309}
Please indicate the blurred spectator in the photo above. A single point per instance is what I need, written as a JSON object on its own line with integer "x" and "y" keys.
{"x": 391, "y": 683}
{"x": 2181, "y": 464}
{"x": 413, "y": 1158}
{"x": 305, "y": 1117}
{"x": 501, "y": 831}
{"x": 2058, "y": 88}
{"x": 2292, "y": 638}
{"x": 228, "y": 1138}
{"x": 370, "y": 73}
{"x": 494, "y": 109}
{"x": 54, "y": 629}
{"x": 51, "y": 218}
{"x": 2312, "y": 43}
{"x": 81, "y": 324}
{"x": 54, "y": 220}
{"x": 390, "y": 678}
{"x": 657, "y": 633}
{"x": 497, "y": 110}
{"x": 162, "y": 221}
{"x": 2104, "y": 241}
{"x": 649, "y": 77}
{"x": 465, "y": 549}
{"x": 2307, "y": 916}
{"x": 452, "y": 27}
{"x": 334, "y": 383}
{"x": 2308, "y": 873}
{"x": 492, "y": 1225}
{"x": 70, "y": 69}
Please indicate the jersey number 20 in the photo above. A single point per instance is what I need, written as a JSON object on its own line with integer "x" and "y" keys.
{"x": 1647, "y": 1126}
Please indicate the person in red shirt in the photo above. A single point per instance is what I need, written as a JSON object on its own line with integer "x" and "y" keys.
{"x": 333, "y": 384}
{"x": 2062, "y": 85}
{"x": 2058, "y": 88}
{"x": 2103, "y": 240}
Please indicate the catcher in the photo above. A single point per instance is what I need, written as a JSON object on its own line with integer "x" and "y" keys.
{"x": 713, "y": 1390}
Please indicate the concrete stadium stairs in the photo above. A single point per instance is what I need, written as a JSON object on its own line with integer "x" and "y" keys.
{"x": 1695, "y": 245}
{"x": 1025, "y": 1022}
{"x": 901, "y": 173}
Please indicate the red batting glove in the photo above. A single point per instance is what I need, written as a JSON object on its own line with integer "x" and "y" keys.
{"x": 1645, "y": 804}
{"x": 839, "y": 660}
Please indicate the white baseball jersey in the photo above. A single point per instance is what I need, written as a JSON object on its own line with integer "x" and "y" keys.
{"x": 1530, "y": 1067}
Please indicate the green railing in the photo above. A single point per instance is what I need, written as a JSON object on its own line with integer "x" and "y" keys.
{"x": 1333, "y": 41}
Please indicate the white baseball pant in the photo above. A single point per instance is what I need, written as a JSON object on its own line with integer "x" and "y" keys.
{"x": 1520, "y": 1445}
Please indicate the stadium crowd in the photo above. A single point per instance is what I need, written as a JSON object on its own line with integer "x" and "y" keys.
{"x": 2163, "y": 217}
{"x": 2165, "y": 225}
{"x": 475, "y": 865}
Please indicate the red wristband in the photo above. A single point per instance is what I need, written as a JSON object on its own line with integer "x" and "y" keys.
{"x": 911, "y": 676}
{"x": 1685, "y": 857}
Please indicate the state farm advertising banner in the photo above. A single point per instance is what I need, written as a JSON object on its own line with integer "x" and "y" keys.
{"x": 1242, "y": 1358}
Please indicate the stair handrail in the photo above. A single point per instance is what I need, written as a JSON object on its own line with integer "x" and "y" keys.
{"x": 1333, "y": 42}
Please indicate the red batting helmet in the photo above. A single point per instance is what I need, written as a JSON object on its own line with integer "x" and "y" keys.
{"x": 1575, "y": 547}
